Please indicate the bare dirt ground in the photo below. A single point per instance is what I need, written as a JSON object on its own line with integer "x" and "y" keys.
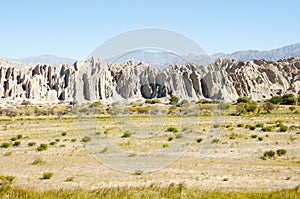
{"x": 234, "y": 161}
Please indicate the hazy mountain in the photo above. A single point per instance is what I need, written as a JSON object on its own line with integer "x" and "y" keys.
{"x": 272, "y": 55}
{"x": 47, "y": 59}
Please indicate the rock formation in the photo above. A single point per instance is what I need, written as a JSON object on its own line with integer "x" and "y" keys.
{"x": 94, "y": 80}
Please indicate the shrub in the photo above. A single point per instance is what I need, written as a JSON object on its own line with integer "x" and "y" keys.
{"x": 252, "y": 128}
{"x": 16, "y": 143}
{"x": 215, "y": 140}
{"x": 267, "y": 129}
{"x": 31, "y": 143}
{"x": 86, "y": 139}
{"x": 5, "y": 145}
{"x": 276, "y": 100}
{"x": 42, "y": 147}
{"x": 47, "y": 175}
{"x": 126, "y": 134}
{"x": 292, "y": 108}
{"x": 243, "y": 99}
{"x": 73, "y": 140}
{"x": 172, "y": 129}
{"x": 253, "y": 136}
{"x": 64, "y": 133}
{"x": 259, "y": 125}
{"x": 216, "y": 125}
{"x": 199, "y": 140}
{"x": 69, "y": 179}
{"x": 240, "y": 125}
{"x": 283, "y": 128}
{"x": 57, "y": 139}
{"x": 166, "y": 145}
{"x": 178, "y": 136}
{"x": 260, "y": 138}
{"x": 223, "y": 106}
{"x": 281, "y": 152}
{"x": 174, "y": 100}
{"x": 13, "y": 138}
{"x": 38, "y": 161}
{"x": 268, "y": 106}
{"x": 19, "y": 136}
{"x": 269, "y": 154}
{"x": 288, "y": 99}
{"x": 170, "y": 138}
{"x": 53, "y": 143}
{"x": 138, "y": 172}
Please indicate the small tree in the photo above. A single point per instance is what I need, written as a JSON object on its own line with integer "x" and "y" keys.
{"x": 288, "y": 99}
{"x": 174, "y": 100}
{"x": 276, "y": 100}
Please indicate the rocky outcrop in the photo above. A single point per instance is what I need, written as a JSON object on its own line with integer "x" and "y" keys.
{"x": 94, "y": 79}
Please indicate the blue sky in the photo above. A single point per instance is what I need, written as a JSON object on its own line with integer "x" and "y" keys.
{"x": 75, "y": 28}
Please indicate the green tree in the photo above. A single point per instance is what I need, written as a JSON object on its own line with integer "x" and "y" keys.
{"x": 174, "y": 100}
{"x": 276, "y": 100}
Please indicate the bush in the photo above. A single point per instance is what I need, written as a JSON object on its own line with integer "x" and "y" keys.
{"x": 31, "y": 143}
{"x": 174, "y": 100}
{"x": 38, "y": 161}
{"x": 223, "y": 106}
{"x": 170, "y": 138}
{"x": 53, "y": 143}
{"x": 267, "y": 129}
{"x": 240, "y": 125}
{"x": 172, "y": 129}
{"x": 243, "y": 99}
{"x": 13, "y": 138}
{"x": 19, "y": 136}
{"x": 253, "y": 136}
{"x": 16, "y": 143}
{"x": 199, "y": 140}
{"x": 276, "y": 100}
{"x": 86, "y": 139}
{"x": 73, "y": 140}
{"x": 269, "y": 154}
{"x": 166, "y": 145}
{"x": 252, "y": 128}
{"x": 260, "y": 138}
{"x": 281, "y": 152}
{"x": 47, "y": 175}
{"x": 216, "y": 125}
{"x": 283, "y": 128}
{"x": 69, "y": 179}
{"x": 259, "y": 125}
{"x": 5, "y": 145}
{"x": 42, "y": 147}
{"x": 289, "y": 99}
{"x": 64, "y": 133}
{"x": 215, "y": 140}
{"x": 178, "y": 136}
{"x": 126, "y": 134}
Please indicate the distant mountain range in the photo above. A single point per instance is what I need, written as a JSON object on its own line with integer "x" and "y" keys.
{"x": 163, "y": 59}
{"x": 46, "y": 59}
{"x": 272, "y": 55}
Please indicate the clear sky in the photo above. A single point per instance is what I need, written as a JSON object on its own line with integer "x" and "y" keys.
{"x": 75, "y": 28}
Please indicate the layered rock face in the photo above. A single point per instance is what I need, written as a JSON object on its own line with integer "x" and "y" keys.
{"x": 94, "y": 80}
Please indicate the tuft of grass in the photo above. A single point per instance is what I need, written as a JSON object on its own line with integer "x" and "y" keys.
{"x": 126, "y": 134}
{"x": 179, "y": 135}
{"x": 138, "y": 172}
{"x": 69, "y": 179}
{"x": 166, "y": 145}
{"x": 38, "y": 161}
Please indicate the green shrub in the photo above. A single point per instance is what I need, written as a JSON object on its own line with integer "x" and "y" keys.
{"x": 283, "y": 128}
{"x": 215, "y": 140}
{"x": 174, "y": 100}
{"x": 16, "y": 143}
{"x": 259, "y": 125}
{"x": 269, "y": 154}
{"x": 42, "y": 147}
{"x": 240, "y": 125}
{"x": 38, "y": 161}
{"x": 253, "y": 136}
{"x": 126, "y": 134}
{"x": 31, "y": 143}
{"x": 13, "y": 139}
{"x": 288, "y": 99}
{"x": 138, "y": 172}
{"x": 19, "y": 136}
{"x": 243, "y": 99}
{"x": 166, "y": 145}
{"x": 260, "y": 138}
{"x": 179, "y": 135}
{"x": 216, "y": 125}
{"x": 170, "y": 138}
{"x": 52, "y": 143}
{"x": 64, "y": 133}
{"x": 199, "y": 140}
{"x": 276, "y": 100}
{"x": 57, "y": 139}
{"x": 47, "y": 175}
{"x": 69, "y": 179}
{"x": 86, "y": 139}
{"x": 267, "y": 129}
{"x": 281, "y": 152}
{"x": 5, "y": 145}
{"x": 252, "y": 128}
{"x": 73, "y": 140}
{"x": 172, "y": 129}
